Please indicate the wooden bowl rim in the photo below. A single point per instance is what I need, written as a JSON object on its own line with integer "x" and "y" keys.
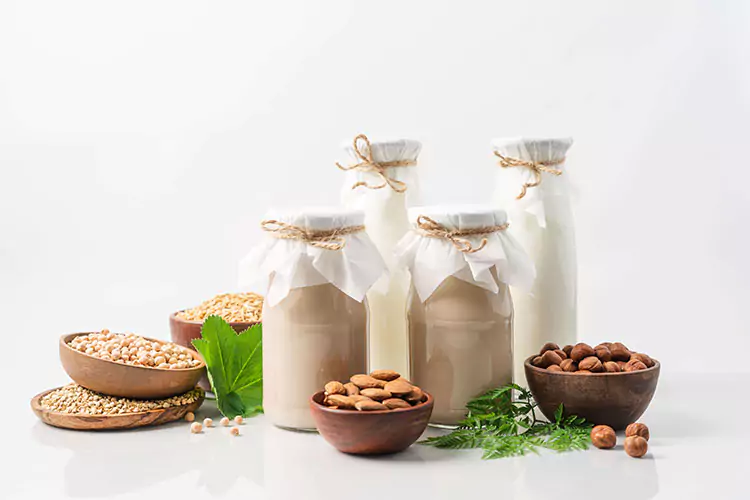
{"x": 177, "y": 319}
{"x": 37, "y": 406}
{"x": 336, "y": 411}
{"x": 64, "y": 339}
{"x": 603, "y": 374}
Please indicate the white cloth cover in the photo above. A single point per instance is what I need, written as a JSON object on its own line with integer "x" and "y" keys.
{"x": 296, "y": 264}
{"x": 542, "y": 199}
{"x": 431, "y": 260}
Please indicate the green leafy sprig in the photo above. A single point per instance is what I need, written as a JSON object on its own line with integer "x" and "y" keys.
{"x": 502, "y": 422}
{"x": 234, "y": 362}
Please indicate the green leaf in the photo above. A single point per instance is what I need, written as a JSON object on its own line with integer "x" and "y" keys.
{"x": 502, "y": 423}
{"x": 235, "y": 366}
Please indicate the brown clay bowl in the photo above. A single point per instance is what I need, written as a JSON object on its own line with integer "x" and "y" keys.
{"x": 370, "y": 432}
{"x": 614, "y": 399}
{"x": 127, "y": 381}
{"x": 183, "y": 332}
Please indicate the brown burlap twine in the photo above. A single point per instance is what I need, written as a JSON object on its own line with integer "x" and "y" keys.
{"x": 367, "y": 164}
{"x": 536, "y": 167}
{"x": 332, "y": 239}
{"x": 433, "y": 229}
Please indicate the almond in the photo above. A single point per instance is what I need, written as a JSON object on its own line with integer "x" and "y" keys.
{"x": 369, "y": 405}
{"x": 393, "y": 403}
{"x": 366, "y": 382}
{"x": 416, "y": 395}
{"x": 399, "y": 387}
{"x": 375, "y": 394}
{"x": 386, "y": 375}
{"x": 334, "y": 387}
{"x": 358, "y": 397}
{"x": 351, "y": 389}
{"x": 340, "y": 401}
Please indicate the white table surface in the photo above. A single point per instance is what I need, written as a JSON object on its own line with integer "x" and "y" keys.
{"x": 698, "y": 449}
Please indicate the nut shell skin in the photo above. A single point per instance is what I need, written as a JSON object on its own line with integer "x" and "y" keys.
{"x": 603, "y": 354}
{"x": 635, "y": 446}
{"x": 638, "y": 429}
{"x": 581, "y": 351}
{"x": 619, "y": 352}
{"x": 611, "y": 367}
{"x": 568, "y": 365}
{"x": 591, "y": 364}
{"x": 550, "y": 358}
{"x": 549, "y": 346}
{"x": 603, "y": 437}
{"x": 634, "y": 365}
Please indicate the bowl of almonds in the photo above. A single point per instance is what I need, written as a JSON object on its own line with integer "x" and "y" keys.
{"x": 371, "y": 414}
{"x": 607, "y": 384}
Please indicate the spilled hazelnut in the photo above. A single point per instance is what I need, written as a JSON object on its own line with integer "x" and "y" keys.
{"x": 604, "y": 437}
{"x": 635, "y": 446}
{"x": 637, "y": 429}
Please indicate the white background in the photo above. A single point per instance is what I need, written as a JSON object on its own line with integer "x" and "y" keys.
{"x": 141, "y": 143}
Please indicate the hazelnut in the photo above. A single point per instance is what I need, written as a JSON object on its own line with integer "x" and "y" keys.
{"x": 567, "y": 349}
{"x": 619, "y": 352}
{"x": 621, "y": 364}
{"x": 636, "y": 446}
{"x": 591, "y": 364}
{"x": 581, "y": 351}
{"x": 537, "y": 361}
{"x": 603, "y": 354}
{"x": 643, "y": 358}
{"x": 554, "y": 368}
{"x": 611, "y": 367}
{"x": 634, "y": 365}
{"x": 549, "y": 346}
{"x": 550, "y": 358}
{"x": 568, "y": 365}
{"x": 582, "y": 372}
{"x": 561, "y": 353}
{"x": 604, "y": 437}
{"x": 608, "y": 345}
{"x": 637, "y": 430}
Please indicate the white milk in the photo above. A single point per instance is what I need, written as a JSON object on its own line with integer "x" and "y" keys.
{"x": 386, "y": 222}
{"x": 460, "y": 312}
{"x": 542, "y": 221}
{"x": 314, "y": 267}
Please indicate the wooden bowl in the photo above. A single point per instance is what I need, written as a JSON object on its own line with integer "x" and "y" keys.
{"x": 81, "y": 422}
{"x": 127, "y": 381}
{"x": 183, "y": 332}
{"x": 370, "y": 432}
{"x": 614, "y": 399}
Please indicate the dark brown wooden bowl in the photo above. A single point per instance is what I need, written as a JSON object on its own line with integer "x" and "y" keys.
{"x": 127, "y": 381}
{"x": 183, "y": 332}
{"x": 614, "y": 399}
{"x": 370, "y": 432}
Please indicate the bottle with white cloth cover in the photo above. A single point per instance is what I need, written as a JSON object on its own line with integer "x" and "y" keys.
{"x": 533, "y": 186}
{"x": 381, "y": 179}
{"x": 460, "y": 314}
{"x": 316, "y": 267}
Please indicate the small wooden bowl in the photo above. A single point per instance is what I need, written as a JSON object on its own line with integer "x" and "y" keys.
{"x": 127, "y": 381}
{"x": 183, "y": 332}
{"x": 370, "y": 432}
{"x": 614, "y": 399}
{"x": 80, "y": 422}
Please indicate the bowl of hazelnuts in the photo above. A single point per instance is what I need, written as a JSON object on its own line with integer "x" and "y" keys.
{"x": 607, "y": 384}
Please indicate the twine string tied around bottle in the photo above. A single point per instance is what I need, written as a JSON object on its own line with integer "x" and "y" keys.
{"x": 363, "y": 151}
{"x": 458, "y": 237}
{"x": 331, "y": 239}
{"x": 536, "y": 168}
